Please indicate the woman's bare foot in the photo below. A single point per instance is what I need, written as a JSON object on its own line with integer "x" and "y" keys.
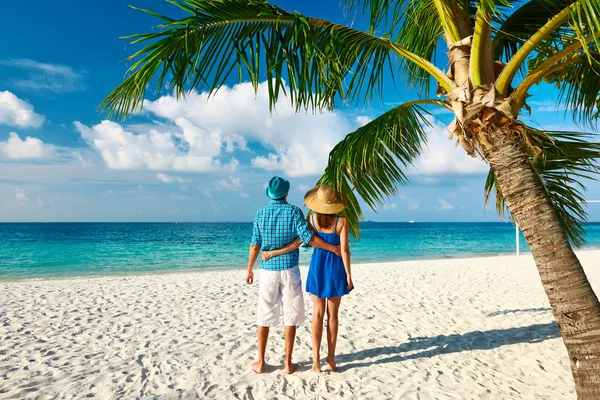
{"x": 331, "y": 363}
{"x": 290, "y": 367}
{"x": 258, "y": 367}
{"x": 316, "y": 368}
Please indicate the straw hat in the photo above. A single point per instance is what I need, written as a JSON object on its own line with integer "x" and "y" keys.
{"x": 324, "y": 200}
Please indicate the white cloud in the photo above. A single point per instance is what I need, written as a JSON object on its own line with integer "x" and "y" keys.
{"x": 208, "y": 194}
{"x": 17, "y": 112}
{"x": 298, "y": 144}
{"x": 234, "y": 183}
{"x": 199, "y": 133}
{"x": 189, "y": 149}
{"x": 362, "y": 120}
{"x": 169, "y": 179}
{"x": 244, "y": 195}
{"x": 440, "y": 111}
{"x": 442, "y": 157}
{"x": 411, "y": 204}
{"x": 304, "y": 188}
{"x": 20, "y": 196}
{"x": 14, "y": 148}
{"x": 78, "y": 156}
{"x": 387, "y": 207}
{"x": 546, "y": 106}
{"x": 46, "y": 77}
{"x": 443, "y": 205}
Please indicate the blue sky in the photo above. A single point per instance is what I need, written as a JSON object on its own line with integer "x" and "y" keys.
{"x": 193, "y": 161}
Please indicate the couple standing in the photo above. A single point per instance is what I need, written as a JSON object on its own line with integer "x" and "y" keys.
{"x": 279, "y": 230}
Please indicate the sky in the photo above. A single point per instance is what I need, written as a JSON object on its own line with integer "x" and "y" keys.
{"x": 193, "y": 160}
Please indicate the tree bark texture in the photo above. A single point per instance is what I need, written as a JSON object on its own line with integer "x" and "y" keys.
{"x": 574, "y": 303}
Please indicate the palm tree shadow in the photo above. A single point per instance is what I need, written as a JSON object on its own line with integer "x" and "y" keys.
{"x": 519, "y": 310}
{"x": 421, "y": 347}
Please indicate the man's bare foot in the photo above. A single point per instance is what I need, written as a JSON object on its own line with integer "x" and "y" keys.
{"x": 258, "y": 367}
{"x": 331, "y": 363}
{"x": 316, "y": 368}
{"x": 290, "y": 367}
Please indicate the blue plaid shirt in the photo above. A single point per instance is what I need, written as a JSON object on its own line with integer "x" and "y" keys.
{"x": 276, "y": 225}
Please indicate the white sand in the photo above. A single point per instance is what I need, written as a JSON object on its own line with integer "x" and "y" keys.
{"x": 476, "y": 328}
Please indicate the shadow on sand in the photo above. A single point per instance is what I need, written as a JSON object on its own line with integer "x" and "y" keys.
{"x": 521, "y": 310}
{"x": 420, "y": 347}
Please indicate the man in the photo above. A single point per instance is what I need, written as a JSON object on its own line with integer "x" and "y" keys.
{"x": 280, "y": 287}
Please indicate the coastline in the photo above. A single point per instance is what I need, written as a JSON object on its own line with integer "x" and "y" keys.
{"x": 256, "y": 267}
{"x": 50, "y": 251}
{"x": 448, "y": 328}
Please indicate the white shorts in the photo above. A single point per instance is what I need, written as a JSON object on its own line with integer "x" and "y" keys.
{"x": 280, "y": 291}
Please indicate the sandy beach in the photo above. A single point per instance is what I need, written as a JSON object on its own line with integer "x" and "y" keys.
{"x": 476, "y": 328}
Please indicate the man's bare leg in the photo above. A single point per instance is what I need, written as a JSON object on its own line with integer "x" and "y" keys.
{"x": 290, "y": 337}
{"x": 263, "y": 336}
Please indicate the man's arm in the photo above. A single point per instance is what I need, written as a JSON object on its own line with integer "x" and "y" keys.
{"x": 254, "y": 250}
{"x": 288, "y": 248}
{"x": 255, "y": 246}
{"x": 316, "y": 241}
{"x": 306, "y": 235}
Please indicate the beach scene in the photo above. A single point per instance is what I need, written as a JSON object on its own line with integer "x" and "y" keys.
{"x": 281, "y": 199}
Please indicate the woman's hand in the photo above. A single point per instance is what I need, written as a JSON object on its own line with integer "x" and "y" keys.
{"x": 350, "y": 283}
{"x": 267, "y": 255}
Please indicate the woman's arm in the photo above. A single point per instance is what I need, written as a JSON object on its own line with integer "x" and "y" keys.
{"x": 266, "y": 255}
{"x": 345, "y": 249}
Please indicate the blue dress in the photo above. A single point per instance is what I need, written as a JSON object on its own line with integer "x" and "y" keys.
{"x": 327, "y": 275}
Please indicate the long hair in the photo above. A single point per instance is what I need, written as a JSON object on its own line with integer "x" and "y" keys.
{"x": 325, "y": 221}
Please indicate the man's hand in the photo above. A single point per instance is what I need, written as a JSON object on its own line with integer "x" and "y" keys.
{"x": 254, "y": 250}
{"x": 250, "y": 277}
{"x": 337, "y": 251}
{"x": 266, "y": 255}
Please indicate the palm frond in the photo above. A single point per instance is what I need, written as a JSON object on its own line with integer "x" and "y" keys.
{"x": 381, "y": 15}
{"x": 517, "y": 27}
{"x": 585, "y": 16}
{"x": 492, "y": 187}
{"x": 370, "y": 162}
{"x": 421, "y": 33}
{"x": 579, "y": 88}
{"x": 578, "y": 19}
{"x": 318, "y": 60}
{"x": 566, "y": 159}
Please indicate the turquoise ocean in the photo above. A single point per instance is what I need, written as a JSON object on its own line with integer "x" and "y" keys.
{"x": 42, "y": 250}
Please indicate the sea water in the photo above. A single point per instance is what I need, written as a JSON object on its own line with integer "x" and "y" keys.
{"x": 40, "y": 250}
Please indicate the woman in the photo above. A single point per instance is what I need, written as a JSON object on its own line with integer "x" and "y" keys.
{"x": 329, "y": 276}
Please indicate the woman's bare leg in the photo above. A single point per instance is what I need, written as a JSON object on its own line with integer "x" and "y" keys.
{"x": 317, "y": 331}
{"x": 333, "y": 307}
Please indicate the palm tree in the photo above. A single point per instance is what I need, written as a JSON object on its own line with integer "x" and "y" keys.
{"x": 496, "y": 51}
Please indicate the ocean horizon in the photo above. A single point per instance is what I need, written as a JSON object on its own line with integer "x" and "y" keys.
{"x": 69, "y": 249}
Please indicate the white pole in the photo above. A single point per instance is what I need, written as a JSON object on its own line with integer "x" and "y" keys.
{"x": 517, "y": 236}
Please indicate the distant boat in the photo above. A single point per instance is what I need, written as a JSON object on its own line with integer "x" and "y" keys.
{"x": 411, "y": 222}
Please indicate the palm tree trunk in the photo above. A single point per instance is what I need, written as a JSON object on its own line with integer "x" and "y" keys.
{"x": 574, "y": 303}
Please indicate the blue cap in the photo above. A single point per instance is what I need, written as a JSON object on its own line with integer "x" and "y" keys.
{"x": 277, "y": 188}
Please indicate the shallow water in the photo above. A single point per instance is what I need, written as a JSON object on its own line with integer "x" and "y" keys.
{"x": 34, "y": 250}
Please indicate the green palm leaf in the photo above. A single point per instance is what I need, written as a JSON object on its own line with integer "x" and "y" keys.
{"x": 566, "y": 159}
{"x": 318, "y": 60}
{"x": 421, "y": 33}
{"x": 516, "y": 28}
{"x": 579, "y": 86}
{"x": 370, "y": 162}
{"x": 384, "y": 15}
